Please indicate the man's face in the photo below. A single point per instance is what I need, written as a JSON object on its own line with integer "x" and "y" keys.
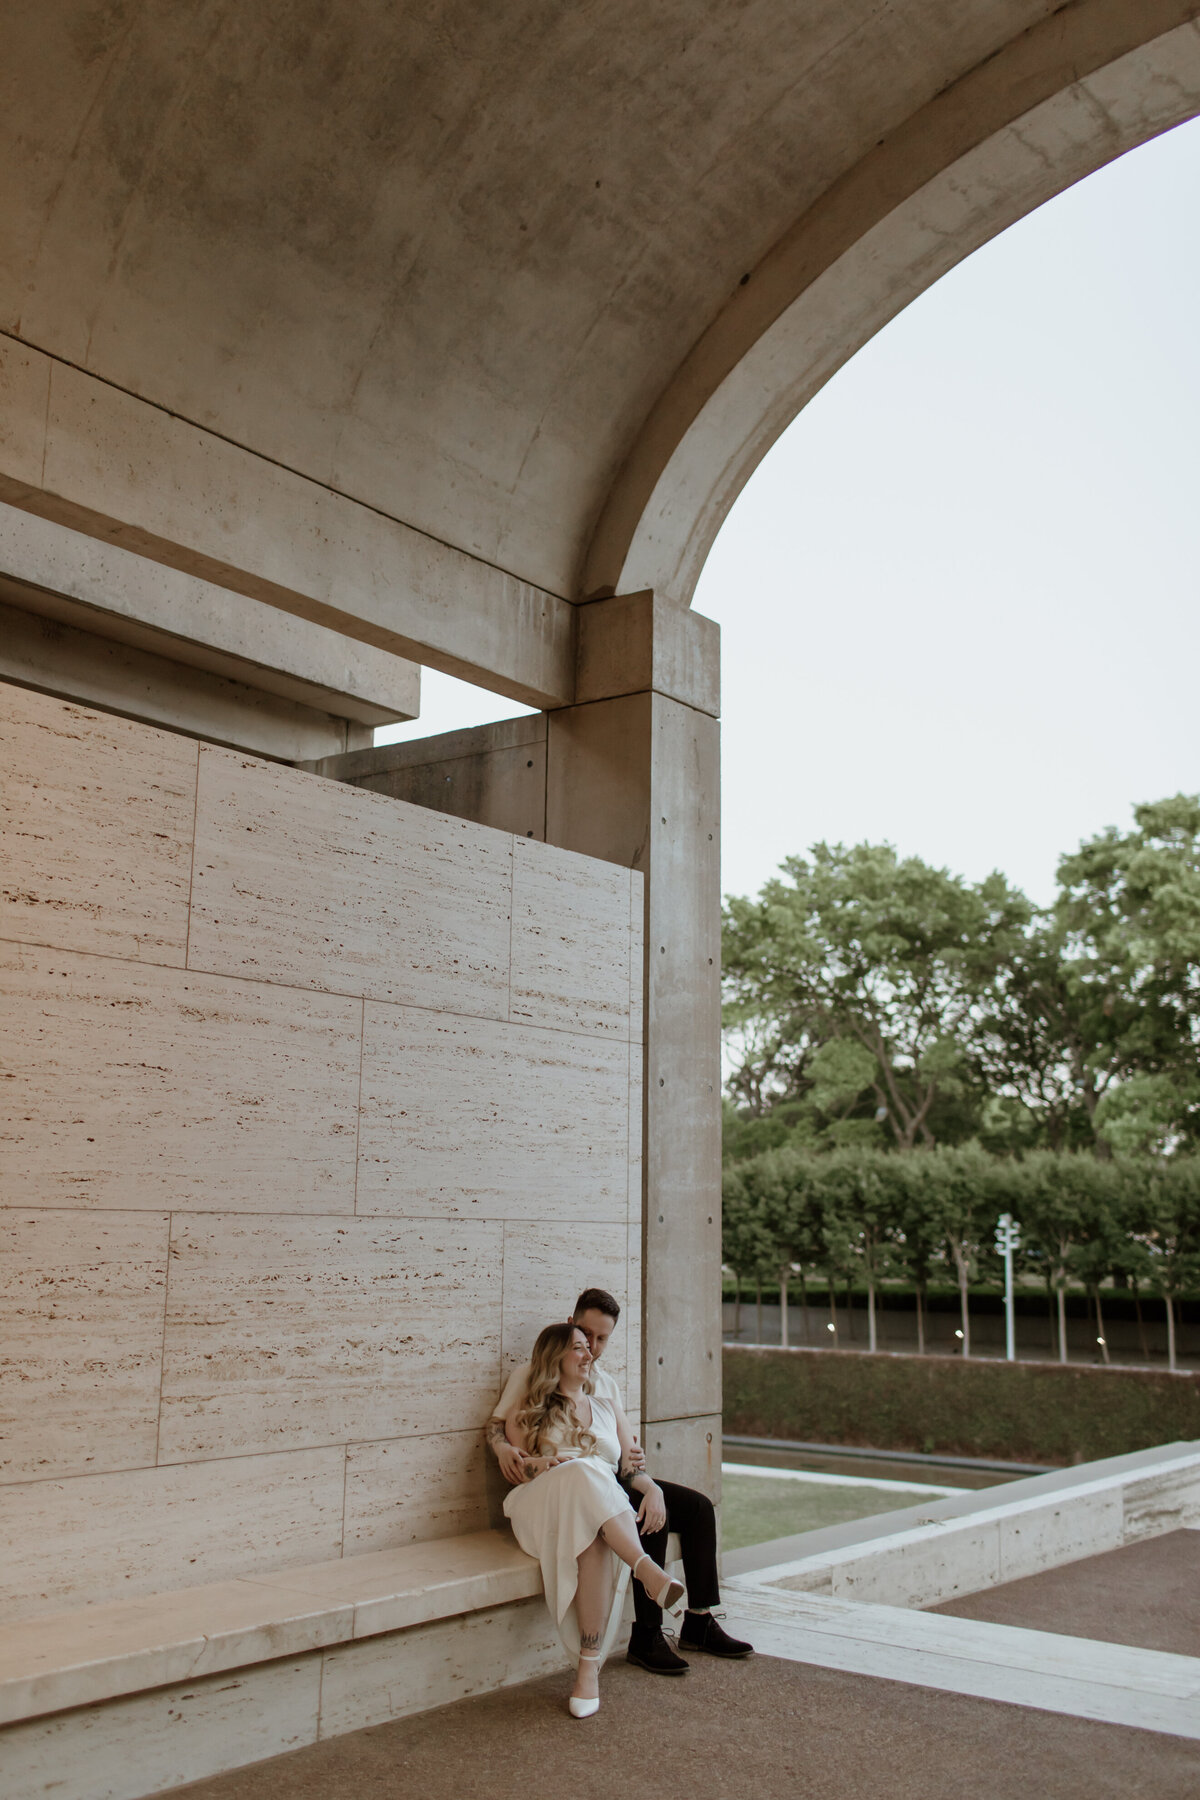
{"x": 597, "y": 1328}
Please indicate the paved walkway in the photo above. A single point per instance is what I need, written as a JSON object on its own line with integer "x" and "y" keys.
{"x": 1146, "y": 1595}
{"x": 764, "y": 1729}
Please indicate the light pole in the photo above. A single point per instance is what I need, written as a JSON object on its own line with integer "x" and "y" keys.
{"x": 1008, "y": 1239}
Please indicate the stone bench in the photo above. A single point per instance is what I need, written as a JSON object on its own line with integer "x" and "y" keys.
{"x": 93, "y": 1654}
{"x": 99, "y": 1653}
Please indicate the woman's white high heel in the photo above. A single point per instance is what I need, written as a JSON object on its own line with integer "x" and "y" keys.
{"x": 583, "y": 1709}
{"x": 671, "y": 1592}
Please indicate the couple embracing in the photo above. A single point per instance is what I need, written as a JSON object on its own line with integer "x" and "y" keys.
{"x": 581, "y": 1496}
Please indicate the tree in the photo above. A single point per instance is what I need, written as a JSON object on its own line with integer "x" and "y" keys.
{"x": 1167, "y": 1224}
{"x": 889, "y": 956}
{"x": 746, "y": 1245}
{"x": 1129, "y": 917}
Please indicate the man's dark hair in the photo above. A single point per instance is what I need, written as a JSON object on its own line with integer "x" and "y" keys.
{"x": 596, "y": 1300}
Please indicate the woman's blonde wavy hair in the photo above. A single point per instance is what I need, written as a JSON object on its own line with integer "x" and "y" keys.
{"x": 546, "y": 1411}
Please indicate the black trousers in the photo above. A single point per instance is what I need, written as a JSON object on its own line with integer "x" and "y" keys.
{"x": 691, "y": 1515}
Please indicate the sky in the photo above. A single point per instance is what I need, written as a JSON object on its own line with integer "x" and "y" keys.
{"x": 960, "y": 598}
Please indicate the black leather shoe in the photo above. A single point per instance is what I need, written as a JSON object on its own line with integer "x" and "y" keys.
{"x": 701, "y": 1631}
{"x": 654, "y": 1653}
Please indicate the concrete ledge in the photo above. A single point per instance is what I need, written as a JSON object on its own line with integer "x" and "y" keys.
{"x": 1151, "y": 1690}
{"x": 102, "y": 589}
{"x": 923, "y": 1555}
{"x": 99, "y": 1653}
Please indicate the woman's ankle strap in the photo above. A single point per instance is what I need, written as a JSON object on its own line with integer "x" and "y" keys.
{"x": 586, "y": 1656}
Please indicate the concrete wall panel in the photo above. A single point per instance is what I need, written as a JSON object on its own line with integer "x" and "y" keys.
{"x": 181, "y": 1733}
{"x": 570, "y": 941}
{"x": 473, "y": 1118}
{"x": 149, "y": 1530}
{"x": 546, "y": 1265}
{"x": 81, "y": 1326}
{"x": 140, "y": 1087}
{"x": 314, "y": 884}
{"x": 220, "y": 1367}
{"x": 288, "y": 1332}
{"x": 409, "y": 1489}
{"x": 407, "y": 1672}
{"x": 95, "y": 831}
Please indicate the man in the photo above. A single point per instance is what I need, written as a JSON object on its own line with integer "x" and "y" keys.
{"x": 689, "y": 1514}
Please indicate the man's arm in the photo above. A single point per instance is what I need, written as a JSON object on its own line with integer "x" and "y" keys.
{"x": 511, "y": 1460}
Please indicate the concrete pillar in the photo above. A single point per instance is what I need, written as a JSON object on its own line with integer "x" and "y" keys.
{"x": 633, "y": 776}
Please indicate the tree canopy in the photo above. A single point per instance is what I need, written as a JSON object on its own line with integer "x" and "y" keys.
{"x": 873, "y": 1000}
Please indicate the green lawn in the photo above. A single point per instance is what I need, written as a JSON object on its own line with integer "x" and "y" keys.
{"x": 755, "y": 1509}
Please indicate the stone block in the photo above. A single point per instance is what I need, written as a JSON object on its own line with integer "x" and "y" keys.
{"x": 390, "y": 1677}
{"x": 95, "y": 830}
{"x": 97, "y": 1653}
{"x": 150, "y": 1742}
{"x": 547, "y": 1265}
{"x": 81, "y": 1322}
{"x": 319, "y": 885}
{"x": 473, "y": 1117}
{"x": 1044, "y": 1535}
{"x": 1162, "y": 1500}
{"x": 136, "y": 1087}
{"x": 404, "y": 1490}
{"x": 571, "y": 930}
{"x": 923, "y": 1567}
{"x": 285, "y": 1332}
{"x": 392, "y": 1590}
{"x": 98, "y": 1538}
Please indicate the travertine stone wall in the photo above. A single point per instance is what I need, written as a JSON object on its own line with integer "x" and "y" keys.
{"x": 316, "y": 1106}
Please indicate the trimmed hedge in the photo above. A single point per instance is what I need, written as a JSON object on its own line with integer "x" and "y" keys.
{"x": 1007, "y": 1412}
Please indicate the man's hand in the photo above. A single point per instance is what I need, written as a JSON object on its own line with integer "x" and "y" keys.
{"x": 652, "y": 1513}
{"x": 636, "y": 1459}
{"x": 512, "y": 1462}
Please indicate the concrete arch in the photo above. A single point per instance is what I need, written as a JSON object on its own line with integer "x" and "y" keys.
{"x": 1091, "y": 82}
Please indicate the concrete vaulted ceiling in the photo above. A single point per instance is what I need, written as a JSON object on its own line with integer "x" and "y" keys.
{"x": 541, "y": 281}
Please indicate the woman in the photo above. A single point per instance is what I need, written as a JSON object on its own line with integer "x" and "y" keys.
{"x": 570, "y": 1513}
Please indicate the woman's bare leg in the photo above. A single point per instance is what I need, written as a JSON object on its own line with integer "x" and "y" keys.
{"x": 593, "y": 1598}
{"x": 620, "y": 1534}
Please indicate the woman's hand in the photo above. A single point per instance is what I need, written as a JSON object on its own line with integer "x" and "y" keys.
{"x": 652, "y": 1513}
{"x": 535, "y": 1465}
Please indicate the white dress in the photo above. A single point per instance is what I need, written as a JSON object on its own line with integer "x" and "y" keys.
{"x": 559, "y": 1513}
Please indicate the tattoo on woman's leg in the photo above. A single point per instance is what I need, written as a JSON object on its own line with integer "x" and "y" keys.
{"x": 589, "y": 1640}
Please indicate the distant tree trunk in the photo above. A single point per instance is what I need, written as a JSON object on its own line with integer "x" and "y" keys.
{"x": 804, "y": 1306}
{"x": 833, "y": 1309}
{"x": 871, "y": 1343}
{"x": 758, "y": 1338}
{"x": 737, "y": 1304}
{"x": 1100, "y": 1332}
{"x": 964, "y": 1307}
{"x": 1170, "y": 1305}
{"x": 849, "y": 1310}
{"x": 1141, "y": 1323}
{"x": 920, "y": 1319}
{"x": 1062, "y": 1321}
{"x": 783, "y": 1309}
{"x": 1049, "y": 1309}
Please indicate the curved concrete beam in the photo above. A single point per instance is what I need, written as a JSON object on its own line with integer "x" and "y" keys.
{"x": 1059, "y": 101}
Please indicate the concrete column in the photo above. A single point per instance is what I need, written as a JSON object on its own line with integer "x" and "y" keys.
{"x": 633, "y": 776}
